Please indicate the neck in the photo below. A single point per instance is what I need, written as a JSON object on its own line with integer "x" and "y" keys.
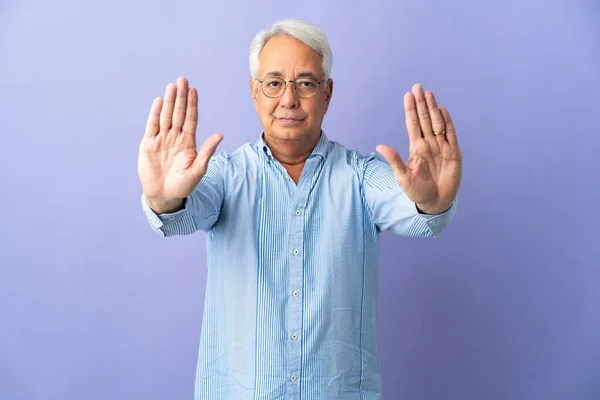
{"x": 292, "y": 153}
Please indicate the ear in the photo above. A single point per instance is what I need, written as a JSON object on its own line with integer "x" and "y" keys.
{"x": 328, "y": 92}
{"x": 254, "y": 90}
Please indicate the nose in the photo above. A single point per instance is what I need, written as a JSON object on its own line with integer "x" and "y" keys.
{"x": 289, "y": 99}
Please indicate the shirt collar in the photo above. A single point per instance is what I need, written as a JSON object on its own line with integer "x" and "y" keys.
{"x": 319, "y": 150}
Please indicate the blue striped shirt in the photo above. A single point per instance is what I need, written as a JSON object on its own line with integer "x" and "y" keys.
{"x": 291, "y": 293}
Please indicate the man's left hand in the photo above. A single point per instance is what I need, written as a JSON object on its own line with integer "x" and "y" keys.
{"x": 432, "y": 175}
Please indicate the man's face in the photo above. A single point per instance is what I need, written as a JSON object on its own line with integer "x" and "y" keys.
{"x": 290, "y": 118}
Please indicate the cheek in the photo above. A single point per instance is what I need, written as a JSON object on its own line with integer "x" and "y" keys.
{"x": 316, "y": 111}
{"x": 267, "y": 108}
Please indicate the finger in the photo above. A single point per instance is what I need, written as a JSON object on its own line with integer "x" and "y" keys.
{"x": 191, "y": 115}
{"x": 166, "y": 114}
{"x": 180, "y": 104}
{"x": 152, "y": 126}
{"x": 412, "y": 119}
{"x": 437, "y": 121}
{"x": 422, "y": 110}
{"x": 450, "y": 129}
{"x": 394, "y": 159}
{"x": 206, "y": 151}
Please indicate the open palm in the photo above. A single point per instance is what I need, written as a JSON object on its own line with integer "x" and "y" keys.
{"x": 169, "y": 166}
{"x": 431, "y": 176}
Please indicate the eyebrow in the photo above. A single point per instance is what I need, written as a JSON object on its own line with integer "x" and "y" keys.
{"x": 300, "y": 75}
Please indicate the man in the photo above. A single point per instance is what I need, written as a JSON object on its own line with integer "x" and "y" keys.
{"x": 293, "y": 221}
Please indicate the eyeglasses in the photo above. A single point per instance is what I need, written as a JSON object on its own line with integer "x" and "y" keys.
{"x": 304, "y": 88}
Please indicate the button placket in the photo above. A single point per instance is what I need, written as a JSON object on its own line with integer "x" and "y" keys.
{"x": 294, "y": 324}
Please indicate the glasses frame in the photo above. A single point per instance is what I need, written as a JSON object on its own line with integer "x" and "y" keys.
{"x": 293, "y": 87}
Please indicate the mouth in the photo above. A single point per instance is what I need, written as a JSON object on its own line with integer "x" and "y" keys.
{"x": 287, "y": 121}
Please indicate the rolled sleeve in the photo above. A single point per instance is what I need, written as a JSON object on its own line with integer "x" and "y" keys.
{"x": 170, "y": 224}
{"x": 437, "y": 223}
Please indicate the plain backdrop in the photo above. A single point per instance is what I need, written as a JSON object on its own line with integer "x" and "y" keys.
{"x": 94, "y": 305}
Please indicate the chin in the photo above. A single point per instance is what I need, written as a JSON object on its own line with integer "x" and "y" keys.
{"x": 290, "y": 133}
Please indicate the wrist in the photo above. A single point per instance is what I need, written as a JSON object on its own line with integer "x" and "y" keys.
{"x": 165, "y": 206}
{"x": 432, "y": 209}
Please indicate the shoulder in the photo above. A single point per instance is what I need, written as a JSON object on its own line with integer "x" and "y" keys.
{"x": 236, "y": 165}
{"x": 370, "y": 169}
{"x": 360, "y": 163}
{"x": 240, "y": 156}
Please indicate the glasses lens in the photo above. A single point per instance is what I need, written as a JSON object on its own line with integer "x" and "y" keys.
{"x": 306, "y": 87}
{"x": 273, "y": 87}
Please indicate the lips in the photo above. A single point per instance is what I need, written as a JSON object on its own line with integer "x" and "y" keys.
{"x": 290, "y": 121}
{"x": 290, "y": 118}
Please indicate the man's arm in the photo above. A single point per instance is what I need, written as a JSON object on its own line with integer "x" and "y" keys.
{"x": 431, "y": 177}
{"x": 171, "y": 170}
{"x": 200, "y": 210}
{"x": 392, "y": 209}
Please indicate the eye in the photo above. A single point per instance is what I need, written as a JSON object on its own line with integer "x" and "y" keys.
{"x": 307, "y": 84}
{"x": 273, "y": 84}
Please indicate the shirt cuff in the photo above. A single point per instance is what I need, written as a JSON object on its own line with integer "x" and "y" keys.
{"x": 437, "y": 223}
{"x": 169, "y": 224}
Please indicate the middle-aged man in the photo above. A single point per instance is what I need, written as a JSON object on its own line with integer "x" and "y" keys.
{"x": 293, "y": 221}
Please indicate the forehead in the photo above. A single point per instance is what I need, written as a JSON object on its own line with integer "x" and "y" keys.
{"x": 288, "y": 55}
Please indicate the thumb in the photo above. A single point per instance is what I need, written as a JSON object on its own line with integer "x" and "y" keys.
{"x": 394, "y": 159}
{"x": 205, "y": 153}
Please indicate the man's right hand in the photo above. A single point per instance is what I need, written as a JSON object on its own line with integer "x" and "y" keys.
{"x": 168, "y": 165}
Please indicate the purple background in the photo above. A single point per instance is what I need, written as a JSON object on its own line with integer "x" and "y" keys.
{"x": 95, "y": 305}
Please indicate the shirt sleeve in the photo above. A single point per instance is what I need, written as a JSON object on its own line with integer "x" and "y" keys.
{"x": 392, "y": 209}
{"x": 201, "y": 208}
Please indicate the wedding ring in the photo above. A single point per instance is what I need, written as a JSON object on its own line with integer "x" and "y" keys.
{"x": 439, "y": 133}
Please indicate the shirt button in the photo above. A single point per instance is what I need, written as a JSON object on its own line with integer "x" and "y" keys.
{"x": 171, "y": 218}
{"x": 296, "y": 293}
{"x": 293, "y": 378}
{"x": 298, "y": 212}
{"x": 296, "y": 251}
{"x": 294, "y": 336}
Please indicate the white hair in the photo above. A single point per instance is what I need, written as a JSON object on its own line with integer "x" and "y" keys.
{"x": 309, "y": 34}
